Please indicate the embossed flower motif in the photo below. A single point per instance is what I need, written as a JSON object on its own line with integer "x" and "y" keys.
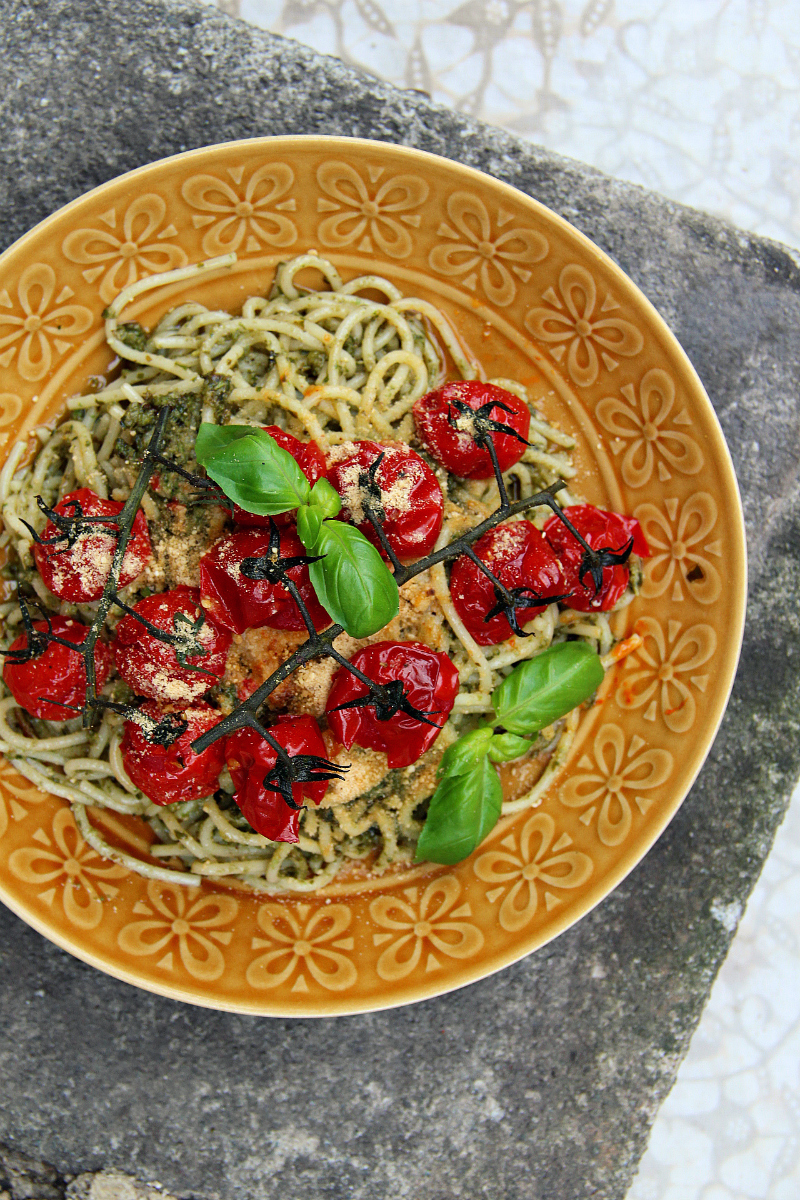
{"x": 648, "y": 427}
{"x": 532, "y": 863}
{"x": 43, "y": 322}
{"x": 123, "y": 253}
{"x": 414, "y": 922}
{"x": 64, "y": 861}
{"x": 480, "y": 251}
{"x": 663, "y": 671}
{"x": 15, "y": 793}
{"x": 678, "y": 539}
{"x": 618, "y": 774}
{"x": 575, "y": 324}
{"x": 237, "y": 210}
{"x": 175, "y": 914}
{"x": 303, "y": 939}
{"x": 371, "y": 214}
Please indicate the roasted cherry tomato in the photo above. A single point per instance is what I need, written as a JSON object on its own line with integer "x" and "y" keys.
{"x": 404, "y": 487}
{"x": 518, "y": 555}
{"x": 239, "y": 602}
{"x": 79, "y": 572}
{"x": 603, "y": 531}
{"x": 429, "y": 686}
{"x": 309, "y": 458}
{"x": 55, "y": 673}
{"x": 250, "y": 759}
{"x": 446, "y": 430}
{"x": 152, "y": 667}
{"x": 167, "y": 774}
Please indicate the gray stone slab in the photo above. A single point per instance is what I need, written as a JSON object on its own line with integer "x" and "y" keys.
{"x": 539, "y": 1083}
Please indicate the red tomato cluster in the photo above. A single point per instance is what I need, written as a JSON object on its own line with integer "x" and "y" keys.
{"x": 239, "y": 602}
{"x": 152, "y": 667}
{"x": 79, "y": 572}
{"x": 250, "y": 759}
{"x": 404, "y": 486}
{"x": 168, "y": 774}
{"x": 602, "y": 531}
{"x": 52, "y": 684}
{"x": 446, "y": 431}
{"x": 429, "y": 683}
{"x": 414, "y": 687}
{"x": 519, "y": 557}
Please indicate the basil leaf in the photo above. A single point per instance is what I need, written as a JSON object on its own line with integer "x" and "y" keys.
{"x": 463, "y": 809}
{"x": 251, "y": 468}
{"x": 325, "y": 498}
{"x": 467, "y": 753}
{"x": 352, "y": 581}
{"x": 504, "y": 747}
{"x": 309, "y": 523}
{"x": 541, "y": 690}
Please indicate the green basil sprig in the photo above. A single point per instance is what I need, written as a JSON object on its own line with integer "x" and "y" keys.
{"x": 351, "y": 580}
{"x": 466, "y": 804}
{"x": 463, "y": 809}
{"x": 544, "y": 688}
{"x": 251, "y": 468}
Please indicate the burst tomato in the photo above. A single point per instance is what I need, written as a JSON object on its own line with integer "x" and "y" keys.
{"x": 309, "y": 458}
{"x": 402, "y": 484}
{"x": 429, "y": 685}
{"x": 152, "y": 667}
{"x": 239, "y": 602}
{"x": 250, "y": 759}
{"x": 444, "y": 429}
{"x": 518, "y": 555}
{"x": 167, "y": 774}
{"x": 79, "y": 572}
{"x": 56, "y": 676}
{"x": 603, "y": 531}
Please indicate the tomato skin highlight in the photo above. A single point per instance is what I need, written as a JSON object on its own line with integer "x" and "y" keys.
{"x": 150, "y": 667}
{"x": 239, "y": 603}
{"x": 79, "y": 574}
{"x": 599, "y": 528}
{"x": 414, "y": 521}
{"x": 168, "y": 774}
{"x": 311, "y": 461}
{"x": 517, "y": 553}
{"x": 457, "y": 450}
{"x": 250, "y": 758}
{"x": 57, "y": 674}
{"x": 431, "y": 685}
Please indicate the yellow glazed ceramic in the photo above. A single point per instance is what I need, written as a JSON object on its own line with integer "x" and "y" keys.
{"x": 535, "y": 301}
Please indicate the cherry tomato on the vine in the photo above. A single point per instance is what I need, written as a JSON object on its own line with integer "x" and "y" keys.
{"x": 402, "y": 484}
{"x": 56, "y": 674}
{"x": 239, "y": 602}
{"x": 250, "y": 759}
{"x": 444, "y": 429}
{"x": 518, "y": 555}
{"x": 152, "y": 667}
{"x": 309, "y": 458}
{"x": 602, "y": 530}
{"x": 429, "y": 685}
{"x": 79, "y": 572}
{"x": 167, "y": 774}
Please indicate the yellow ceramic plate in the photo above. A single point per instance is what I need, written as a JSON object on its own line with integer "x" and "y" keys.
{"x": 536, "y": 301}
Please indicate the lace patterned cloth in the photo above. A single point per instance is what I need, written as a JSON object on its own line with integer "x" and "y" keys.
{"x": 699, "y": 100}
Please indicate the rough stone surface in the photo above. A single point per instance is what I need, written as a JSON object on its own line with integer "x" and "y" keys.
{"x": 539, "y": 1083}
